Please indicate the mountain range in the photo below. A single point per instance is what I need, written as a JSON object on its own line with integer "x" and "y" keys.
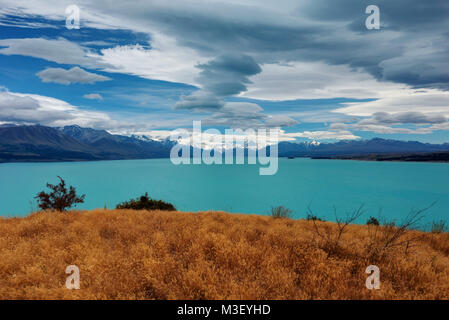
{"x": 74, "y": 143}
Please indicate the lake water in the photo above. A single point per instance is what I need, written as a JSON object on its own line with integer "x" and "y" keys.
{"x": 393, "y": 187}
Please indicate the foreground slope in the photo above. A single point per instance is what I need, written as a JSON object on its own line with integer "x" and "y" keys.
{"x": 124, "y": 254}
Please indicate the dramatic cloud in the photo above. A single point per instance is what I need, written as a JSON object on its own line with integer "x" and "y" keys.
{"x": 272, "y": 50}
{"x": 285, "y": 30}
{"x": 74, "y": 75}
{"x": 226, "y": 75}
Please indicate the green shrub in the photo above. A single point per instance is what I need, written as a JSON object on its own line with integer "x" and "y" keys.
{"x": 280, "y": 212}
{"x": 59, "y": 199}
{"x": 146, "y": 203}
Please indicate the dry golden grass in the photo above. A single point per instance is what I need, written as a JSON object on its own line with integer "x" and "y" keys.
{"x": 124, "y": 254}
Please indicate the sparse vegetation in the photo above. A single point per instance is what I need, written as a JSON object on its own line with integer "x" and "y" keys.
{"x": 281, "y": 212}
{"x": 383, "y": 239}
{"x": 146, "y": 203}
{"x": 59, "y": 199}
{"x": 372, "y": 221}
{"x": 312, "y": 217}
{"x": 329, "y": 238}
{"x": 439, "y": 226}
{"x": 128, "y": 254}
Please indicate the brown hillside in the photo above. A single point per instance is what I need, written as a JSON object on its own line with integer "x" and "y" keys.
{"x": 124, "y": 254}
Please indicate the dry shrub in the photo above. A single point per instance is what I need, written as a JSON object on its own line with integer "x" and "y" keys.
{"x": 280, "y": 212}
{"x": 330, "y": 235}
{"x": 126, "y": 254}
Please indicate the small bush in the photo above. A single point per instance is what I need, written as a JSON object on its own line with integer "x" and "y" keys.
{"x": 146, "y": 203}
{"x": 373, "y": 221}
{"x": 60, "y": 198}
{"x": 281, "y": 212}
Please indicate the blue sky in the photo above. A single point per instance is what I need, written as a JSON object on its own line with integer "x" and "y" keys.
{"x": 311, "y": 69}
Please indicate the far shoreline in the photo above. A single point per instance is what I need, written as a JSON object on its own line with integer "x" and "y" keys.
{"x": 375, "y": 158}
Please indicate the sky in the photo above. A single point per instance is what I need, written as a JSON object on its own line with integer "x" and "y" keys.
{"x": 312, "y": 69}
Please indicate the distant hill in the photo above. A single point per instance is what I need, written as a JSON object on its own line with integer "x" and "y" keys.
{"x": 74, "y": 143}
{"x": 442, "y": 156}
{"x": 358, "y": 147}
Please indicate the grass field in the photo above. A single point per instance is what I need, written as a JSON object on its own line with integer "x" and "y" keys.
{"x": 125, "y": 254}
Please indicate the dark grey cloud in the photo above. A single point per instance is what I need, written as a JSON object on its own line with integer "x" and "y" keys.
{"x": 227, "y": 74}
{"x": 401, "y": 15}
{"x": 322, "y": 30}
{"x": 201, "y": 101}
{"x": 224, "y": 76}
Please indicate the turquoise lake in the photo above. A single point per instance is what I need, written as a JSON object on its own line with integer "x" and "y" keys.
{"x": 394, "y": 188}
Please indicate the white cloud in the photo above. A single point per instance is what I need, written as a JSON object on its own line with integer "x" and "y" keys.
{"x": 74, "y": 75}
{"x": 315, "y": 80}
{"x": 406, "y": 100}
{"x": 338, "y": 126}
{"x": 33, "y": 109}
{"x": 323, "y": 135}
{"x": 392, "y": 123}
{"x": 57, "y": 50}
{"x": 164, "y": 61}
{"x": 383, "y": 129}
{"x": 93, "y": 96}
